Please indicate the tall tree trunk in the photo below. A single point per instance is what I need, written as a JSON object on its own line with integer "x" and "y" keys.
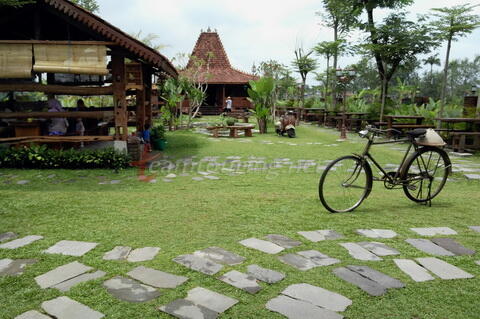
{"x": 328, "y": 78}
{"x": 335, "y": 65}
{"x": 444, "y": 80}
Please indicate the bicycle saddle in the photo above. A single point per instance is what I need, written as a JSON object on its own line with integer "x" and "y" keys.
{"x": 417, "y": 132}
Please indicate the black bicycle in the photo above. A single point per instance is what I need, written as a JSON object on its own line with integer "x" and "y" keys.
{"x": 347, "y": 181}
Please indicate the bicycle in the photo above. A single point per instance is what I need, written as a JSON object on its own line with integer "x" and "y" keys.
{"x": 347, "y": 181}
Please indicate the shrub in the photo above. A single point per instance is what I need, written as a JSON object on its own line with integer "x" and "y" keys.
{"x": 41, "y": 157}
{"x": 158, "y": 132}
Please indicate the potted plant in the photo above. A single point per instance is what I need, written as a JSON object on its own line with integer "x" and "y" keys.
{"x": 157, "y": 135}
{"x": 230, "y": 121}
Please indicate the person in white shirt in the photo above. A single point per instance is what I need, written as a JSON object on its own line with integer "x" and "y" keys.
{"x": 228, "y": 107}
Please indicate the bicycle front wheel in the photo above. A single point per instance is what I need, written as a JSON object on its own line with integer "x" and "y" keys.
{"x": 344, "y": 184}
{"x": 425, "y": 174}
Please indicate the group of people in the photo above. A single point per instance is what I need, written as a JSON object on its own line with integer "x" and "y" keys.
{"x": 59, "y": 125}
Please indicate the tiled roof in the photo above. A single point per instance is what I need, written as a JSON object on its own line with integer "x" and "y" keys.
{"x": 209, "y": 47}
{"x": 113, "y": 34}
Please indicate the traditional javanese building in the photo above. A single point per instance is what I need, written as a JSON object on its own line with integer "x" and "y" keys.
{"x": 222, "y": 79}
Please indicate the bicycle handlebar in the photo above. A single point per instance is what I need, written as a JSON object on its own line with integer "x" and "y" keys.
{"x": 375, "y": 130}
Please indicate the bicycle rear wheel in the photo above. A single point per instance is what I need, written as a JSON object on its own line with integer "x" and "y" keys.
{"x": 425, "y": 173}
{"x": 344, "y": 184}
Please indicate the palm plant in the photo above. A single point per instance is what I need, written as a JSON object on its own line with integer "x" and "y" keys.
{"x": 261, "y": 95}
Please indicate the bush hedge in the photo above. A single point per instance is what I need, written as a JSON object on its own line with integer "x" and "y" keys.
{"x": 42, "y": 157}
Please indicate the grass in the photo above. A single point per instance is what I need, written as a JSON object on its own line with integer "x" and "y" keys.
{"x": 184, "y": 215}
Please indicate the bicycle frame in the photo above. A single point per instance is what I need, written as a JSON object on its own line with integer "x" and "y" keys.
{"x": 366, "y": 155}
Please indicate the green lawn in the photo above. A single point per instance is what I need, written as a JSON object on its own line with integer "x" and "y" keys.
{"x": 185, "y": 215}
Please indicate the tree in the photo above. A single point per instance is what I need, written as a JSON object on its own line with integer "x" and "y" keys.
{"x": 396, "y": 43}
{"x": 303, "y": 64}
{"x": 15, "y": 3}
{"x": 329, "y": 49}
{"x": 90, "y": 5}
{"x": 452, "y": 24}
{"x": 261, "y": 94}
{"x": 149, "y": 39}
{"x": 432, "y": 60}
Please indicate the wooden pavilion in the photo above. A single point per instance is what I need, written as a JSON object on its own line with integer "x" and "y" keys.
{"x": 58, "y": 48}
{"x": 222, "y": 79}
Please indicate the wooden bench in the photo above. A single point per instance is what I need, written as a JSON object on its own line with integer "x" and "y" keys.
{"x": 233, "y": 130}
{"x": 239, "y": 115}
{"x": 460, "y": 139}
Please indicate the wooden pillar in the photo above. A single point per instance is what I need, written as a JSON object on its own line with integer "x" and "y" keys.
{"x": 140, "y": 111}
{"x": 147, "y": 84}
{"x": 119, "y": 97}
{"x": 223, "y": 97}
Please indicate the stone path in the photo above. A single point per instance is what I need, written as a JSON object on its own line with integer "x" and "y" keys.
{"x": 130, "y": 290}
{"x": 66, "y": 308}
{"x": 360, "y": 253}
{"x": 220, "y": 255}
{"x": 21, "y": 242}
{"x": 156, "y": 278}
{"x": 197, "y": 263}
{"x": 66, "y": 276}
{"x": 433, "y": 231}
{"x": 32, "y": 314}
{"x": 242, "y": 281}
{"x": 7, "y": 236}
{"x": 266, "y": 275}
{"x": 9, "y": 267}
{"x": 71, "y": 248}
{"x": 200, "y": 303}
{"x": 440, "y": 247}
{"x": 306, "y": 260}
{"x": 319, "y": 235}
{"x": 283, "y": 241}
{"x": 303, "y": 301}
{"x": 475, "y": 228}
{"x": 377, "y": 233}
{"x": 369, "y": 280}
{"x": 443, "y": 269}
{"x": 143, "y": 254}
{"x": 118, "y": 253}
{"x": 262, "y": 245}
{"x": 412, "y": 269}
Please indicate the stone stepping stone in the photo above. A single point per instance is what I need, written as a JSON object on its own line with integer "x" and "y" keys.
{"x": 71, "y": 248}
{"x": 429, "y": 247}
{"x": 360, "y": 253}
{"x": 118, "y": 253}
{"x": 318, "y": 296}
{"x": 197, "y": 263}
{"x": 7, "y": 236}
{"x": 23, "y": 182}
{"x": 220, "y": 255}
{"x": 266, "y": 275}
{"x": 130, "y": 290}
{"x": 283, "y": 241}
{"x": 451, "y": 245}
{"x": 443, "y": 269}
{"x": 318, "y": 258}
{"x": 143, "y": 254}
{"x": 242, "y": 281}
{"x": 412, "y": 269}
{"x": 211, "y": 177}
{"x": 377, "y": 233}
{"x": 472, "y": 177}
{"x": 379, "y": 249}
{"x": 319, "y": 235}
{"x": 9, "y": 267}
{"x": 198, "y": 179}
{"x": 24, "y": 241}
{"x": 433, "y": 231}
{"x": 171, "y": 175}
{"x": 66, "y": 285}
{"x": 358, "y": 277}
{"x": 32, "y": 314}
{"x": 61, "y": 274}
{"x": 297, "y": 309}
{"x": 262, "y": 245}
{"x": 478, "y": 262}
{"x": 297, "y": 261}
{"x": 156, "y": 278}
{"x": 210, "y": 299}
{"x": 475, "y": 228}
{"x": 186, "y": 309}
{"x": 66, "y": 308}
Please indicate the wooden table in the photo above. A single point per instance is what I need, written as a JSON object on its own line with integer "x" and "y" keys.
{"x": 354, "y": 119}
{"x": 461, "y": 139}
{"x": 233, "y": 130}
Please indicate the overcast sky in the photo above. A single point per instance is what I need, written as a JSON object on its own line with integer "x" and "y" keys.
{"x": 251, "y": 30}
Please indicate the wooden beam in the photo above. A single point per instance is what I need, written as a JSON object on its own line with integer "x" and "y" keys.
{"x": 119, "y": 98}
{"x": 56, "y": 89}
{"x": 140, "y": 112}
{"x": 51, "y": 139}
{"x": 46, "y": 115}
{"x": 106, "y": 43}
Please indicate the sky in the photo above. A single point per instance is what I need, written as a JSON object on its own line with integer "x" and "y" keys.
{"x": 253, "y": 30}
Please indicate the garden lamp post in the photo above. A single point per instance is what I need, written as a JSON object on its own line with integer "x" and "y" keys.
{"x": 344, "y": 77}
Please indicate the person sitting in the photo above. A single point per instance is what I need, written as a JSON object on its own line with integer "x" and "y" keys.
{"x": 146, "y": 138}
{"x": 58, "y": 125}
